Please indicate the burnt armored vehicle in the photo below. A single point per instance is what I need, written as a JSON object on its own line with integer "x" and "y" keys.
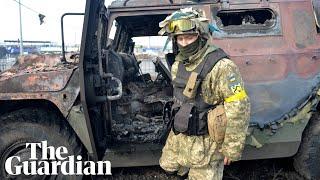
{"x": 107, "y": 108}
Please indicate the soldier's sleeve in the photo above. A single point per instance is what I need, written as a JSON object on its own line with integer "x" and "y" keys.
{"x": 237, "y": 107}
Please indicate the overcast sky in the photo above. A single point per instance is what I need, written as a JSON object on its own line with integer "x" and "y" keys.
{"x": 50, "y": 30}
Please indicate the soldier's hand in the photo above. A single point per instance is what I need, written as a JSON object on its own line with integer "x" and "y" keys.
{"x": 226, "y": 161}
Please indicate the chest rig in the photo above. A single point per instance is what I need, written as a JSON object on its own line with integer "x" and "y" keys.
{"x": 189, "y": 110}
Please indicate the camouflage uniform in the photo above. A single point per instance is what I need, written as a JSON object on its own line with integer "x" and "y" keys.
{"x": 200, "y": 154}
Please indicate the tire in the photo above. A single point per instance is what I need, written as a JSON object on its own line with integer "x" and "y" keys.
{"x": 307, "y": 160}
{"x": 34, "y": 125}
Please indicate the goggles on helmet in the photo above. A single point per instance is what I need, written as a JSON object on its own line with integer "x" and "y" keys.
{"x": 181, "y": 25}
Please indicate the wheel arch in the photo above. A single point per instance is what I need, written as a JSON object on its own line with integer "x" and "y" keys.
{"x": 8, "y": 106}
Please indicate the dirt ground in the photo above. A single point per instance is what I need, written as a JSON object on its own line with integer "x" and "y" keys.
{"x": 274, "y": 169}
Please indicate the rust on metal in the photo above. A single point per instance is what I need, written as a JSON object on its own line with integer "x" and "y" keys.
{"x": 41, "y": 77}
{"x": 275, "y": 57}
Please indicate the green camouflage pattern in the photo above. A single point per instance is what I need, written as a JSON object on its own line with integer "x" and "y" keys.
{"x": 213, "y": 171}
{"x": 195, "y": 15}
{"x": 199, "y": 152}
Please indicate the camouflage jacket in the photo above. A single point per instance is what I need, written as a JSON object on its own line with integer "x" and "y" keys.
{"x": 223, "y": 85}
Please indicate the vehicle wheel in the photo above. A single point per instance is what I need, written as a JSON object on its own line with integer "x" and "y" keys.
{"x": 31, "y": 125}
{"x": 307, "y": 160}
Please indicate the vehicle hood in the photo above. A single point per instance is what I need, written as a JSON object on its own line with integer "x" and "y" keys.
{"x": 36, "y": 73}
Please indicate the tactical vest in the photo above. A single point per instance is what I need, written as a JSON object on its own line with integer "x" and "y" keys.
{"x": 189, "y": 113}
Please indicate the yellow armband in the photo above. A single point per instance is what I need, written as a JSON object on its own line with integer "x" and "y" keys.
{"x": 236, "y": 97}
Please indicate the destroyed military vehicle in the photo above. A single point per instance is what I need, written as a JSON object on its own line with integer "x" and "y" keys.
{"x": 105, "y": 107}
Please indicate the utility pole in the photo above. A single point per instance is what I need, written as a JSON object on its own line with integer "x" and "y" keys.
{"x": 21, "y": 40}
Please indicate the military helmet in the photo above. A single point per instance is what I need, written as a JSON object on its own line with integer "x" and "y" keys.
{"x": 186, "y": 21}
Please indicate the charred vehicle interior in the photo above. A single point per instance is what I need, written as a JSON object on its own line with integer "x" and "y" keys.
{"x": 137, "y": 116}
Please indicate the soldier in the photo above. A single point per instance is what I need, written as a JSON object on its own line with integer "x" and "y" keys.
{"x": 210, "y": 113}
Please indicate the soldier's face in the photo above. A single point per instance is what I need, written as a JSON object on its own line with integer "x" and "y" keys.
{"x": 186, "y": 39}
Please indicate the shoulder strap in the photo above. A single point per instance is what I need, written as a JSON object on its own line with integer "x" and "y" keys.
{"x": 210, "y": 61}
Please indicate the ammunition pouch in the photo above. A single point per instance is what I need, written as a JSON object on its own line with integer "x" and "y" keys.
{"x": 189, "y": 121}
{"x": 217, "y": 123}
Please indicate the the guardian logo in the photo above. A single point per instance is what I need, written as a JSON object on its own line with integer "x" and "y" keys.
{"x": 56, "y": 163}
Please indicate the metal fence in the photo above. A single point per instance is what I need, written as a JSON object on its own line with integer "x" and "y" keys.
{"x": 7, "y": 63}
{"x": 147, "y": 66}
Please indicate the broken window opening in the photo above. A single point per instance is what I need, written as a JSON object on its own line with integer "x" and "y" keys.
{"x": 147, "y": 50}
{"x": 245, "y": 19}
